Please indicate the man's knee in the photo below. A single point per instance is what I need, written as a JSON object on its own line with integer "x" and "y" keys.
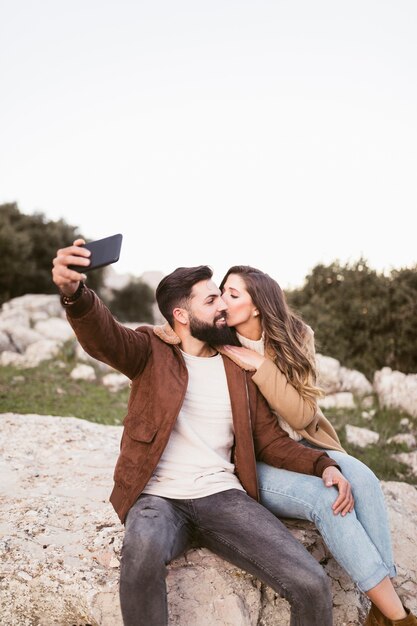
{"x": 313, "y": 603}
{"x": 315, "y": 590}
{"x": 144, "y": 545}
{"x": 142, "y": 565}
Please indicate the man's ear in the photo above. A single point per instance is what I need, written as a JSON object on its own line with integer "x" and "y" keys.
{"x": 181, "y": 316}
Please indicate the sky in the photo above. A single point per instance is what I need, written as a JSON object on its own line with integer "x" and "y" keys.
{"x": 277, "y": 134}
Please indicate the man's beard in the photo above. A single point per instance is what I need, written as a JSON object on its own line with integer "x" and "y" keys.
{"x": 210, "y": 333}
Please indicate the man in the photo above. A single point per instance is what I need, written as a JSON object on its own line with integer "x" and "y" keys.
{"x": 194, "y": 427}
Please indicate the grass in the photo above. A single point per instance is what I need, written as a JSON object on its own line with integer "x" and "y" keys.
{"x": 378, "y": 457}
{"x": 49, "y": 390}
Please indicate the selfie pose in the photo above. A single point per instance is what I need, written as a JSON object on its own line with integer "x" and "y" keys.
{"x": 279, "y": 347}
{"x": 196, "y": 423}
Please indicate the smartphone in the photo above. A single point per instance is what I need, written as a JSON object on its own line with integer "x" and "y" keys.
{"x": 103, "y": 252}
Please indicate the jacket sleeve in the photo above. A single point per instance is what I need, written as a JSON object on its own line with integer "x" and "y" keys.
{"x": 274, "y": 447}
{"x": 104, "y": 338}
{"x": 281, "y": 396}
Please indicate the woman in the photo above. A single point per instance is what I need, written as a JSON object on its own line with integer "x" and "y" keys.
{"x": 280, "y": 347}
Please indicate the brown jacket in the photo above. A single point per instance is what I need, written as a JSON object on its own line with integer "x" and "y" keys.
{"x": 151, "y": 358}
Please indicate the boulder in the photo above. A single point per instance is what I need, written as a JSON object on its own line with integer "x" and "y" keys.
{"x": 339, "y": 400}
{"x": 61, "y": 541}
{"x": 361, "y": 437}
{"x": 396, "y": 390}
{"x": 83, "y": 372}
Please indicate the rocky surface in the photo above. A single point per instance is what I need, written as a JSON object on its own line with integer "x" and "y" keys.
{"x": 61, "y": 540}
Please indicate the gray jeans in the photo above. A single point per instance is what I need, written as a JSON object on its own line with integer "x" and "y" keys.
{"x": 230, "y": 524}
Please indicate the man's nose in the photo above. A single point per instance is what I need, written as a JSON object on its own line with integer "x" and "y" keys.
{"x": 222, "y": 305}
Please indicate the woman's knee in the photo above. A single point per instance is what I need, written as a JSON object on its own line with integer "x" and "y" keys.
{"x": 326, "y": 497}
{"x": 356, "y": 472}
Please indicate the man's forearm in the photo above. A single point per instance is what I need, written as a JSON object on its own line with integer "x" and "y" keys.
{"x": 102, "y": 336}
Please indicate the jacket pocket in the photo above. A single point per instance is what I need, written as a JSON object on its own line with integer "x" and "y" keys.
{"x": 142, "y": 430}
{"x": 136, "y": 449}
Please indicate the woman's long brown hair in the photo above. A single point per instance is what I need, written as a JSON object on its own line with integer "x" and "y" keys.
{"x": 285, "y": 332}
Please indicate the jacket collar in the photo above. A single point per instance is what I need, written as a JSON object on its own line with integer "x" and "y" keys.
{"x": 167, "y": 334}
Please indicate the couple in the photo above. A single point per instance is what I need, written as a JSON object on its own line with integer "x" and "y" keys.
{"x": 201, "y": 445}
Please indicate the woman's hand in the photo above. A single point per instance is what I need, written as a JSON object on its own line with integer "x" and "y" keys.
{"x": 344, "y": 503}
{"x": 247, "y": 356}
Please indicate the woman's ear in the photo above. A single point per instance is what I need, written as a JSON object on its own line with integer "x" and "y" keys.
{"x": 255, "y": 313}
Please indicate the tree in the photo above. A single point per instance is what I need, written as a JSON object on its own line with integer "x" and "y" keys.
{"x": 28, "y": 244}
{"x": 364, "y": 319}
{"x": 133, "y": 303}
{"x": 403, "y": 299}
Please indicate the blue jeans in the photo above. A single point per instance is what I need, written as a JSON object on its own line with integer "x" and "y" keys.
{"x": 360, "y": 541}
{"x": 230, "y": 524}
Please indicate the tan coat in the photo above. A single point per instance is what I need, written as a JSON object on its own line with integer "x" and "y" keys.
{"x": 285, "y": 400}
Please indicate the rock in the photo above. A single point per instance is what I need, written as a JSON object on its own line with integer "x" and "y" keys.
{"x": 396, "y": 390}
{"x": 341, "y": 400}
{"x": 83, "y": 372}
{"x": 354, "y": 381}
{"x": 5, "y": 343}
{"x": 13, "y": 317}
{"x": 328, "y": 370}
{"x": 32, "y": 330}
{"x": 361, "y": 437}
{"x": 367, "y": 402}
{"x": 61, "y": 540}
{"x": 55, "y": 328}
{"x": 333, "y": 378}
{"x": 11, "y": 358}
{"x": 406, "y": 438}
{"x": 82, "y": 355}
{"x": 409, "y": 458}
{"x": 20, "y": 336}
{"x": 115, "y": 382}
{"x": 33, "y": 303}
{"x": 39, "y": 351}
{"x": 368, "y": 415}
{"x": 35, "y": 353}
{"x": 401, "y": 500}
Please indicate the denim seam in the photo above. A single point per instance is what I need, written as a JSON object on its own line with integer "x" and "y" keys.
{"x": 371, "y": 582}
{"x": 290, "y": 497}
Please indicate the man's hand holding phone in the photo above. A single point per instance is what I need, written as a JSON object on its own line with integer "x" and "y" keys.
{"x": 67, "y": 280}
{"x": 70, "y": 262}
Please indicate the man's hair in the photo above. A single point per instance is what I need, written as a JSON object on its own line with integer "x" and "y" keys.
{"x": 175, "y": 289}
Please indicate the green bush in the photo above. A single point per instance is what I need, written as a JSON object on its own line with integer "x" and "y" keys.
{"x": 133, "y": 303}
{"x": 364, "y": 319}
{"x": 28, "y": 244}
